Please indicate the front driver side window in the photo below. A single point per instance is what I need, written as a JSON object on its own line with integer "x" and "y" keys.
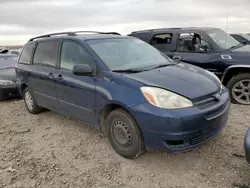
{"x": 72, "y": 54}
{"x": 192, "y": 43}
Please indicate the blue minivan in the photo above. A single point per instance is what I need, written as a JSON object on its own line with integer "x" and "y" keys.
{"x": 139, "y": 97}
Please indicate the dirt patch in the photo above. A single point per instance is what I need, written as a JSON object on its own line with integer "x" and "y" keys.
{"x": 49, "y": 150}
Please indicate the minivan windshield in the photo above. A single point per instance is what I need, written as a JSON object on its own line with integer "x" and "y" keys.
{"x": 222, "y": 39}
{"x": 128, "y": 53}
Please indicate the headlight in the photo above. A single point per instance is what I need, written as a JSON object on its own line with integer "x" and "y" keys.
{"x": 165, "y": 99}
{"x": 6, "y": 82}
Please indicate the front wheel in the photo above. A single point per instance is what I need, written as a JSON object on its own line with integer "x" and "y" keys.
{"x": 239, "y": 88}
{"x": 124, "y": 135}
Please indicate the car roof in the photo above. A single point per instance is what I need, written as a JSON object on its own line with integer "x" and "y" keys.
{"x": 176, "y": 29}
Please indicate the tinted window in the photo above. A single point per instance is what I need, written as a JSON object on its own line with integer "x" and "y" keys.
{"x": 162, "y": 41}
{"x": 239, "y": 38}
{"x": 46, "y": 53}
{"x": 72, "y": 53}
{"x": 119, "y": 54}
{"x": 142, "y": 36}
{"x": 26, "y": 53}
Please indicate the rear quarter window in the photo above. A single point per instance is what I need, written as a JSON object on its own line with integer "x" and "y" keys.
{"x": 162, "y": 42}
{"x": 142, "y": 36}
{"x": 25, "y": 57}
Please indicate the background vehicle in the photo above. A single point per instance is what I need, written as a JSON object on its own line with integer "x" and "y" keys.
{"x": 209, "y": 48}
{"x": 3, "y": 50}
{"x": 242, "y": 38}
{"x": 7, "y": 76}
{"x": 247, "y": 145}
{"x": 14, "y": 52}
{"x": 89, "y": 77}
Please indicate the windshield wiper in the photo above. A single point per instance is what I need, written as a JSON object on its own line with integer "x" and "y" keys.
{"x": 236, "y": 46}
{"x": 129, "y": 70}
{"x": 163, "y": 65}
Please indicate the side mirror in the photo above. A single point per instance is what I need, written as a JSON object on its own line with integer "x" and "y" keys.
{"x": 244, "y": 42}
{"x": 82, "y": 70}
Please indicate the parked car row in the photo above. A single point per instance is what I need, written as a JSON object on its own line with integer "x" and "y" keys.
{"x": 172, "y": 105}
{"x": 8, "y": 87}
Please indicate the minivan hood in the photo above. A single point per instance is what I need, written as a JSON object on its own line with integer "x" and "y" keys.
{"x": 187, "y": 80}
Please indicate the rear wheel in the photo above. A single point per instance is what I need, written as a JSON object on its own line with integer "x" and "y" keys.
{"x": 239, "y": 87}
{"x": 30, "y": 102}
{"x": 124, "y": 134}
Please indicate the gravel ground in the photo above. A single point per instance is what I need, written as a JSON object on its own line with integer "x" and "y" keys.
{"x": 49, "y": 150}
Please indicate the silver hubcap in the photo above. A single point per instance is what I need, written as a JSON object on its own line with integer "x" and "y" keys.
{"x": 241, "y": 91}
{"x": 29, "y": 101}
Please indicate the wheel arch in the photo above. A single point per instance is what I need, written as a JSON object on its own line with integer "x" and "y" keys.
{"x": 234, "y": 70}
{"x": 23, "y": 86}
{"x": 103, "y": 114}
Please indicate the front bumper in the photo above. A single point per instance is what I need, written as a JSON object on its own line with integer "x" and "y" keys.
{"x": 247, "y": 146}
{"x": 183, "y": 129}
{"x": 8, "y": 91}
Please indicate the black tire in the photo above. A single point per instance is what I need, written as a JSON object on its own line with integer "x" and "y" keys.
{"x": 234, "y": 80}
{"x": 119, "y": 119}
{"x": 35, "y": 108}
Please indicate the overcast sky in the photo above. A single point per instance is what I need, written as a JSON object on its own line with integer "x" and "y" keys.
{"x": 22, "y": 19}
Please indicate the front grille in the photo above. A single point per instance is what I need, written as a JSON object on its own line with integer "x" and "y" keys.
{"x": 207, "y": 101}
{"x": 202, "y": 138}
{"x": 215, "y": 112}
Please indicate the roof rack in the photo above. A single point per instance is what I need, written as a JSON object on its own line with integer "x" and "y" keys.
{"x": 98, "y": 32}
{"x": 74, "y": 33}
{"x": 53, "y": 34}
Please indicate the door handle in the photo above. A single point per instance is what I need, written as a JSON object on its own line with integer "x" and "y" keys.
{"x": 177, "y": 57}
{"x": 51, "y": 75}
{"x": 59, "y": 77}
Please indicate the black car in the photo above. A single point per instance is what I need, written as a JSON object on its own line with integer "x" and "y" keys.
{"x": 7, "y": 76}
{"x": 242, "y": 38}
{"x": 247, "y": 145}
{"x": 209, "y": 48}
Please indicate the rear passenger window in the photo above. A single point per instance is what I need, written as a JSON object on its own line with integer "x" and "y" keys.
{"x": 72, "y": 54}
{"x": 26, "y": 53}
{"x": 162, "y": 41}
{"x": 46, "y": 53}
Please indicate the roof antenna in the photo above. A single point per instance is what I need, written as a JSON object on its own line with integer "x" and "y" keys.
{"x": 226, "y": 32}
